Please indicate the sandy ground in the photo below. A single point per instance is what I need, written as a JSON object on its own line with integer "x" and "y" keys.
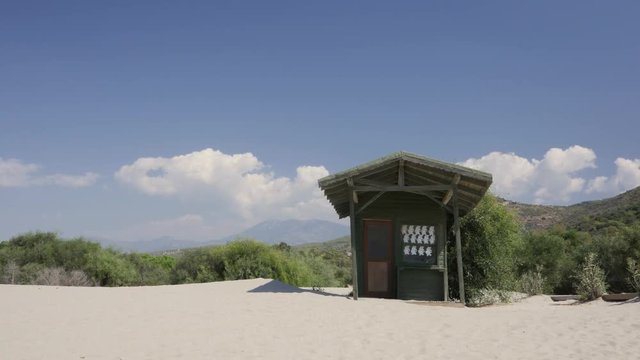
{"x": 257, "y": 319}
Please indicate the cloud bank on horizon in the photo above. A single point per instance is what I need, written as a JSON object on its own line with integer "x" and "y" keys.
{"x": 250, "y": 189}
{"x": 239, "y": 190}
{"x": 554, "y": 179}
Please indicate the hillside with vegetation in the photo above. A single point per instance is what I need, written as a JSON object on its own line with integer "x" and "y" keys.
{"x": 557, "y": 240}
{"x": 590, "y": 216}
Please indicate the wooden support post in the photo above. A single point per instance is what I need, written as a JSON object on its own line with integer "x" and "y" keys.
{"x": 354, "y": 262}
{"x": 446, "y": 270}
{"x": 401, "y": 173}
{"x": 456, "y": 225}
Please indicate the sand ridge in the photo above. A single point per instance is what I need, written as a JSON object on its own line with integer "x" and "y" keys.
{"x": 261, "y": 318}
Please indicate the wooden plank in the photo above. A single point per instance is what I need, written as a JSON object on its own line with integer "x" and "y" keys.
{"x": 371, "y": 201}
{"x": 354, "y": 260}
{"x": 401, "y": 173}
{"x": 445, "y": 175}
{"x": 447, "y": 197}
{"x": 373, "y": 182}
{"x": 402, "y": 188}
{"x": 375, "y": 171}
{"x": 393, "y": 187}
{"x": 406, "y": 189}
{"x": 456, "y": 224}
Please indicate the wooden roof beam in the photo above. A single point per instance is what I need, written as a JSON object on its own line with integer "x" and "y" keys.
{"x": 403, "y": 188}
{"x": 352, "y": 189}
{"x": 401, "y": 172}
{"x": 449, "y": 194}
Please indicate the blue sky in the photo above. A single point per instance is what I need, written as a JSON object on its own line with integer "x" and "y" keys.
{"x": 544, "y": 95}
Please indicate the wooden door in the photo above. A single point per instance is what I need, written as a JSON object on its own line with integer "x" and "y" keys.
{"x": 379, "y": 275}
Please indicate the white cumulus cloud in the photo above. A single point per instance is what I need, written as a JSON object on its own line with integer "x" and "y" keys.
{"x": 553, "y": 179}
{"x": 241, "y": 181}
{"x": 627, "y": 177}
{"x": 15, "y": 173}
{"x": 511, "y": 173}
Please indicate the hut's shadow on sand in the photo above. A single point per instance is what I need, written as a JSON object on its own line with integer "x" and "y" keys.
{"x": 275, "y": 286}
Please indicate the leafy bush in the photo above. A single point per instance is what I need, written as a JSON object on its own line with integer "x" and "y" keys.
{"x": 323, "y": 274}
{"x": 152, "y": 270}
{"x": 533, "y": 282}
{"x": 199, "y": 265}
{"x": 110, "y": 268}
{"x": 246, "y": 259}
{"x": 634, "y": 274}
{"x": 332, "y": 264}
{"x": 546, "y": 253}
{"x": 491, "y": 237}
{"x": 591, "y": 279}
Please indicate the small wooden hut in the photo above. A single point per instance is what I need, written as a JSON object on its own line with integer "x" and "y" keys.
{"x": 403, "y": 208}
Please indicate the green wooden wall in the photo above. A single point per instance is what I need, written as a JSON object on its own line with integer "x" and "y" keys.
{"x": 414, "y": 281}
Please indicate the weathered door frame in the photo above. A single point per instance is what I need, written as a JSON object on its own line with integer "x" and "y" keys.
{"x": 390, "y": 260}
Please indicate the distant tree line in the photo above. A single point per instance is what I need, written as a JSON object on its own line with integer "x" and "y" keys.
{"x": 45, "y": 259}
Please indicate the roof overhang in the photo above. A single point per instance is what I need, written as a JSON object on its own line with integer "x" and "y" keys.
{"x": 403, "y": 171}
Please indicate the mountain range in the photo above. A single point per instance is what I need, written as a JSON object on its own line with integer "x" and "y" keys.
{"x": 585, "y": 216}
{"x": 291, "y": 231}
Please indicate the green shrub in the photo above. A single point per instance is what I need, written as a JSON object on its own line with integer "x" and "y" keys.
{"x": 613, "y": 246}
{"x": 491, "y": 237}
{"x": 199, "y": 265}
{"x": 591, "y": 279}
{"x": 533, "y": 282}
{"x": 152, "y": 270}
{"x": 110, "y": 268}
{"x": 547, "y": 251}
{"x": 634, "y": 274}
{"x": 322, "y": 273}
{"x": 247, "y": 259}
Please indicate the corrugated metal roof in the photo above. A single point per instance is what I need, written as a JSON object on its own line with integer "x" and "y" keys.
{"x": 418, "y": 171}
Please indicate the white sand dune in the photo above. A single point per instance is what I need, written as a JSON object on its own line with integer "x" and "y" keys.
{"x": 257, "y": 319}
